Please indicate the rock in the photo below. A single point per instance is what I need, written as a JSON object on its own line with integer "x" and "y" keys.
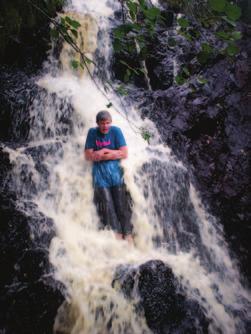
{"x": 29, "y": 296}
{"x": 208, "y": 128}
{"x": 162, "y": 299}
{"x": 25, "y": 33}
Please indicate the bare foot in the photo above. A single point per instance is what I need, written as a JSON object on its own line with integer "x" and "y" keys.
{"x": 119, "y": 236}
{"x": 129, "y": 239}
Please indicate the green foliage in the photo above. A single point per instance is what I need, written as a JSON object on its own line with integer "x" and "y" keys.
{"x": 121, "y": 90}
{"x": 131, "y": 37}
{"x": 67, "y": 28}
{"x": 74, "y": 64}
{"x": 183, "y": 22}
{"x": 221, "y": 14}
{"x": 141, "y": 26}
{"x": 233, "y": 12}
{"x": 217, "y": 5}
{"x": 201, "y": 80}
{"x": 146, "y": 135}
{"x": 232, "y": 49}
{"x": 205, "y": 54}
{"x": 182, "y": 76}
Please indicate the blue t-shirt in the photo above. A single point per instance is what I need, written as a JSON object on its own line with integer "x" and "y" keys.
{"x": 107, "y": 173}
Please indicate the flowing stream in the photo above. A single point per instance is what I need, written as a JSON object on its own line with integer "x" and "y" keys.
{"x": 170, "y": 223}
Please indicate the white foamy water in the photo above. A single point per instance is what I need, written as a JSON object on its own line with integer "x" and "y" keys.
{"x": 166, "y": 206}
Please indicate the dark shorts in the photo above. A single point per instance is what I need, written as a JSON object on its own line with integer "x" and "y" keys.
{"x": 114, "y": 206}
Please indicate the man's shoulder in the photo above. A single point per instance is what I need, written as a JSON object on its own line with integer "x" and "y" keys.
{"x": 92, "y": 130}
{"x": 115, "y": 129}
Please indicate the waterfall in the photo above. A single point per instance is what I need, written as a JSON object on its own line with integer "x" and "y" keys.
{"x": 170, "y": 222}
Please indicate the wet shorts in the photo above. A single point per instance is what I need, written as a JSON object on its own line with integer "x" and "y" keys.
{"x": 114, "y": 206}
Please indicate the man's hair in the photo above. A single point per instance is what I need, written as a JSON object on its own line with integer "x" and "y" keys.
{"x": 103, "y": 115}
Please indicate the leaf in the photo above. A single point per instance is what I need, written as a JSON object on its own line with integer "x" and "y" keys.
{"x": 217, "y": 5}
{"x": 118, "y": 33}
{"x": 73, "y": 23}
{"x": 232, "y": 23}
{"x": 183, "y": 22}
{"x": 206, "y": 48}
{"x": 152, "y": 13}
{"x": 117, "y": 45}
{"x": 62, "y": 21}
{"x": 74, "y": 64}
{"x": 67, "y": 19}
{"x": 232, "y": 50}
{"x": 201, "y": 80}
{"x": 146, "y": 135}
{"x": 236, "y": 35}
{"x": 223, "y": 35}
{"x": 142, "y": 4}
{"x": 109, "y": 105}
{"x": 132, "y": 6}
{"x": 121, "y": 90}
{"x": 179, "y": 79}
{"x": 74, "y": 32}
{"x": 124, "y": 29}
{"x": 63, "y": 27}
{"x": 233, "y": 12}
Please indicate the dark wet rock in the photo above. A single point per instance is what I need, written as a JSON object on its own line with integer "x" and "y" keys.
{"x": 163, "y": 300}
{"x": 29, "y": 308}
{"x": 18, "y": 93}
{"x": 208, "y": 127}
{"x": 25, "y": 32}
{"x": 29, "y": 296}
{"x": 15, "y": 99}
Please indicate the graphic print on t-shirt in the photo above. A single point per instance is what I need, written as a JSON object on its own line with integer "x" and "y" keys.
{"x": 103, "y": 143}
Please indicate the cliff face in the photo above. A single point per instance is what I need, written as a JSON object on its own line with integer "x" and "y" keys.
{"x": 207, "y": 124}
{"x": 29, "y": 295}
{"x": 208, "y": 127}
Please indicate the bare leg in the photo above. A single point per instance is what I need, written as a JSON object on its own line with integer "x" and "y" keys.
{"x": 129, "y": 239}
{"x": 119, "y": 236}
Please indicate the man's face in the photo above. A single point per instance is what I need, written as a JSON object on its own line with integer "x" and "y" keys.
{"x": 104, "y": 125}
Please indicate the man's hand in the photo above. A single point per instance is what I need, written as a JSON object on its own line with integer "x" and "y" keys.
{"x": 92, "y": 155}
{"x": 106, "y": 154}
{"x": 100, "y": 154}
{"x": 121, "y": 153}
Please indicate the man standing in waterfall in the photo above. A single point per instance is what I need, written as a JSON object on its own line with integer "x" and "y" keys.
{"x": 105, "y": 146}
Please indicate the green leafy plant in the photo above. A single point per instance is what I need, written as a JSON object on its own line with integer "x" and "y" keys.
{"x": 131, "y": 36}
{"x": 67, "y": 29}
{"x": 146, "y": 135}
{"x": 220, "y": 16}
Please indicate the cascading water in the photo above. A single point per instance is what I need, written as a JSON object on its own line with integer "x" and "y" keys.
{"x": 169, "y": 221}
